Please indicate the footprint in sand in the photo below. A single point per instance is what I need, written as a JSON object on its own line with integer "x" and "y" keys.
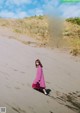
{"x": 32, "y": 109}
{"x": 48, "y": 101}
{"x": 17, "y": 88}
{"x": 18, "y": 82}
{"x": 8, "y": 87}
{"x": 17, "y": 109}
{"x": 28, "y": 85}
{"x": 22, "y": 72}
{"x": 22, "y": 84}
{"x": 50, "y": 111}
{"x": 6, "y": 78}
{"x": 15, "y": 70}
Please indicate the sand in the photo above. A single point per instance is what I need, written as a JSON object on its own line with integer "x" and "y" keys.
{"x": 17, "y": 72}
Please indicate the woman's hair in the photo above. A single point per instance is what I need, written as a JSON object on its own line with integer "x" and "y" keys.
{"x": 38, "y": 62}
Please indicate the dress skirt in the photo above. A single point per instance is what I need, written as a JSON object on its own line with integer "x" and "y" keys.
{"x": 37, "y": 86}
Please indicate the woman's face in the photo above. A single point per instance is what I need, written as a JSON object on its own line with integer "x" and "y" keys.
{"x": 37, "y": 63}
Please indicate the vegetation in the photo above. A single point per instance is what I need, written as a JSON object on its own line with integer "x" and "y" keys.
{"x": 38, "y": 27}
{"x": 74, "y": 20}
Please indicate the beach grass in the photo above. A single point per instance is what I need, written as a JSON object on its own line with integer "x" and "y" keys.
{"x": 38, "y": 27}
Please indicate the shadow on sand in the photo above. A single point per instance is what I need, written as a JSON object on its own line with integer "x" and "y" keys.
{"x": 41, "y": 91}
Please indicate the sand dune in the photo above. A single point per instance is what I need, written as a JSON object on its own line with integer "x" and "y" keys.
{"x": 17, "y": 71}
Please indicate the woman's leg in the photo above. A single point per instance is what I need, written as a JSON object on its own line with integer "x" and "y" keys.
{"x": 44, "y": 90}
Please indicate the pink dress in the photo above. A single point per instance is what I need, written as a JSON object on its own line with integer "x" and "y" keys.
{"x": 39, "y": 81}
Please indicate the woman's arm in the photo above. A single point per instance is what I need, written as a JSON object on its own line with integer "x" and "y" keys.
{"x": 39, "y": 73}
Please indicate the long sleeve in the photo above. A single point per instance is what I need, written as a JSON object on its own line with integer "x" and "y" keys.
{"x": 39, "y": 73}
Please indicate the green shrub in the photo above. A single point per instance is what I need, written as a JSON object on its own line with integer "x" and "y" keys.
{"x": 75, "y": 20}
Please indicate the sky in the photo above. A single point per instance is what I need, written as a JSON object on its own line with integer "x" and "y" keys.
{"x": 27, "y": 8}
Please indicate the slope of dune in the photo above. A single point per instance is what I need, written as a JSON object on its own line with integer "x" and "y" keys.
{"x": 17, "y": 72}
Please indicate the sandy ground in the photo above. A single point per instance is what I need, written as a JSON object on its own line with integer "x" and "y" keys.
{"x": 17, "y": 72}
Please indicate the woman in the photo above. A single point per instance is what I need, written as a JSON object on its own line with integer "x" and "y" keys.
{"x": 39, "y": 82}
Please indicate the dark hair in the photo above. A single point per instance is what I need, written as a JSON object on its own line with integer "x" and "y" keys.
{"x": 38, "y": 62}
